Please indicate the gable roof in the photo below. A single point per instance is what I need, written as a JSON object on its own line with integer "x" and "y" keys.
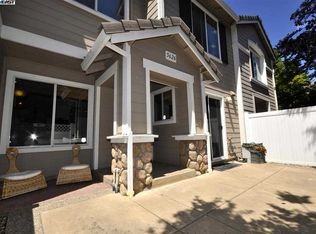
{"x": 130, "y": 30}
{"x": 249, "y": 19}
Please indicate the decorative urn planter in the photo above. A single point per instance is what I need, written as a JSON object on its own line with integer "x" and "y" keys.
{"x": 254, "y": 153}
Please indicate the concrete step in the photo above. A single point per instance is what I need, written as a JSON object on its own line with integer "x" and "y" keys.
{"x": 173, "y": 177}
{"x": 105, "y": 176}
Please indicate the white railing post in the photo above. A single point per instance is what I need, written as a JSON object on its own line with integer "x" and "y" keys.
{"x": 247, "y": 128}
{"x": 209, "y": 151}
{"x": 130, "y": 166}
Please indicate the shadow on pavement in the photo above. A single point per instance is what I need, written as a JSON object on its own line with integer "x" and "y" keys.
{"x": 275, "y": 219}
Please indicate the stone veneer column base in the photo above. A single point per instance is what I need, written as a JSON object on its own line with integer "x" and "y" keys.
{"x": 119, "y": 161}
{"x": 143, "y": 155}
{"x": 193, "y": 155}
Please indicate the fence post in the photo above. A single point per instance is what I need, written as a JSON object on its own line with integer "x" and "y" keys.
{"x": 247, "y": 127}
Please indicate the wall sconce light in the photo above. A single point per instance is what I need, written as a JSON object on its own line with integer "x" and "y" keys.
{"x": 230, "y": 97}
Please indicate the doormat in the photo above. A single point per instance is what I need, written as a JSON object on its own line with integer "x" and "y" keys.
{"x": 225, "y": 166}
{"x": 3, "y": 224}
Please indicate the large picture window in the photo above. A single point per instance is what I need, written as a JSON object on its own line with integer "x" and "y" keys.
{"x": 112, "y": 8}
{"x": 31, "y": 122}
{"x": 44, "y": 111}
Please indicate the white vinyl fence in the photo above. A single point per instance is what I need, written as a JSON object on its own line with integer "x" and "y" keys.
{"x": 288, "y": 135}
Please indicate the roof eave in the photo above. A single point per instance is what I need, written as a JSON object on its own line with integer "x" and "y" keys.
{"x": 263, "y": 33}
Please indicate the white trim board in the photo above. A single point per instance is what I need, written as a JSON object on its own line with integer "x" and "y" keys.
{"x": 174, "y": 116}
{"x": 41, "y": 42}
{"x": 112, "y": 71}
{"x": 221, "y": 98}
{"x": 237, "y": 68}
{"x": 160, "y": 32}
{"x": 137, "y": 138}
{"x": 262, "y": 32}
{"x": 8, "y": 108}
{"x": 168, "y": 71}
{"x": 90, "y": 10}
{"x": 98, "y": 45}
{"x": 161, "y": 8}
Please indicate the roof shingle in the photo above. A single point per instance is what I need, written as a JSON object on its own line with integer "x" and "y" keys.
{"x": 145, "y": 24}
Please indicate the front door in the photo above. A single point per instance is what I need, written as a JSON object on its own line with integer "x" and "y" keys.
{"x": 215, "y": 126}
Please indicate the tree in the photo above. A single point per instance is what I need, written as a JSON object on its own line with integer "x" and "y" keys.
{"x": 293, "y": 86}
{"x": 299, "y": 46}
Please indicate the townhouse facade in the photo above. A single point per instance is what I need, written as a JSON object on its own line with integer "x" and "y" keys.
{"x": 136, "y": 83}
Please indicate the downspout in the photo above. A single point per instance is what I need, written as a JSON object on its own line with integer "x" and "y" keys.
{"x": 241, "y": 116}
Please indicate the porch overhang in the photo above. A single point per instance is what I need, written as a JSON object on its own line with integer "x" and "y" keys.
{"x": 113, "y": 34}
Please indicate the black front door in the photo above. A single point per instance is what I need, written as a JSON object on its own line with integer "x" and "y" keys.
{"x": 215, "y": 126}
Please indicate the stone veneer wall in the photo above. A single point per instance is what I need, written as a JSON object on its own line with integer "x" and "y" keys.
{"x": 193, "y": 155}
{"x": 119, "y": 160}
{"x": 143, "y": 155}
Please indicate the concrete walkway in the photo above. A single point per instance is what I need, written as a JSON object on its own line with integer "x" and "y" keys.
{"x": 233, "y": 199}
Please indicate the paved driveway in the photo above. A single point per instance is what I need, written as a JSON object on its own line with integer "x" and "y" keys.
{"x": 242, "y": 198}
{"x": 233, "y": 199}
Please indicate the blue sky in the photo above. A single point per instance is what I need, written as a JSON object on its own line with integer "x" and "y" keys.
{"x": 274, "y": 13}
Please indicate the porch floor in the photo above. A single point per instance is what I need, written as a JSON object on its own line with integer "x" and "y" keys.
{"x": 163, "y": 169}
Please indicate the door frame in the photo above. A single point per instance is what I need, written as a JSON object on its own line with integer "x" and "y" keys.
{"x": 221, "y": 98}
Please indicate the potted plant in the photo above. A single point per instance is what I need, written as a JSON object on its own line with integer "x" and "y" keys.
{"x": 254, "y": 152}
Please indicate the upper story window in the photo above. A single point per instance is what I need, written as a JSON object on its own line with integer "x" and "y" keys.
{"x": 112, "y": 8}
{"x": 206, "y": 28}
{"x": 256, "y": 65}
{"x": 257, "y": 62}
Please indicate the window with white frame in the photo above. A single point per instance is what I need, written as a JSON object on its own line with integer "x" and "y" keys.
{"x": 205, "y": 27}
{"x": 112, "y": 8}
{"x": 257, "y": 62}
{"x": 163, "y": 103}
{"x": 46, "y": 112}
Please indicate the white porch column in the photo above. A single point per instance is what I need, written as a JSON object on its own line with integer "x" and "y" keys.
{"x": 148, "y": 102}
{"x": 205, "y": 126}
{"x": 191, "y": 108}
{"x": 127, "y": 91}
{"x": 127, "y": 115}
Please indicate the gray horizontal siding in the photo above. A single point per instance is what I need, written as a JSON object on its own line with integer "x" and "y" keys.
{"x": 138, "y": 9}
{"x": 247, "y": 89}
{"x": 54, "y": 19}
{"x": 172, "y": 8}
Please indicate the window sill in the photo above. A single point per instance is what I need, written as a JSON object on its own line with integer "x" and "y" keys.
{"x": 38, "y": 149}
{"x": 190, "y": 137}
{"x": 164, "y": 122}
{"x": 258, "y": 82}
{"x": 137, "y": 138}
{"x": 90, "y": 10}
{"x": 215, "y": 58}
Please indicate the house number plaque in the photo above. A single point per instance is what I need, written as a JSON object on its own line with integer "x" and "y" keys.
{"x": 171, "y": 56}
